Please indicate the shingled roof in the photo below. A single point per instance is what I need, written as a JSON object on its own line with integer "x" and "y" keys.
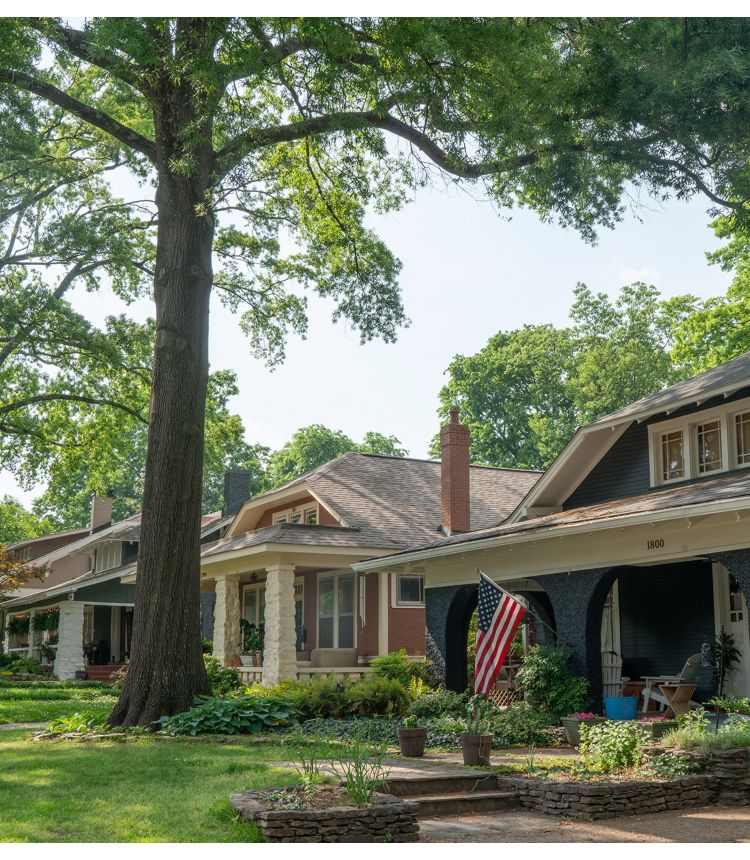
{"x": 387, "y": 502}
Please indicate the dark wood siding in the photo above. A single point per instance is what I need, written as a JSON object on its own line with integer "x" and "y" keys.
{"x": 624, "y": 470}
{"x": 666, "y": 614}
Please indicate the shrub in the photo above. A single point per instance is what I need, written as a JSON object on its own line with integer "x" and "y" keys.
{"x": 242, "y": 715}
{"x": 521, "y": 726}
{"x": 18, "y": 664}
{"x": 692, "y": 733}
{"x": 398, "y": 667}
{"x": 438, "y": 703}
{"x": 77, "y": 724}
{"x": 223, "y": 680}
{"x": 613, "y": 745}
{"x": 327, "y": 697}
{"x": 372, "y": 730}
{"x": 548, "y": 683}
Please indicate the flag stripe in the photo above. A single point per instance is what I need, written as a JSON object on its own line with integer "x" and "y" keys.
{"x": 499, "y": 615}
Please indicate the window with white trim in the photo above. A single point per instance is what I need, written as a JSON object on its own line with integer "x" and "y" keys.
{"x": 336, "y": 611}
{"x": 108, "y": 555}
{"x": 300, "y": 515}
{"x": 410, "y": 589}
{"x": 254, "y": 603}
{"x": 704, "y": 443}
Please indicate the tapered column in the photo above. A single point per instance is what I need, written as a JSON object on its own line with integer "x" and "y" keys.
{"x": 280, "y": 647}
{"x": 35, "y": 636}
{"x": 69, "y": 656}
{"x": 227, "y": 618}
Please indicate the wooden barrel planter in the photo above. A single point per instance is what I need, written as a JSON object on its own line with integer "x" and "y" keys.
{"x": 411, "y": 741}
{"x": 476, "y": 749}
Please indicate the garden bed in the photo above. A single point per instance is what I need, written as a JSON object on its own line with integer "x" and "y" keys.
{"x": 327, "y": 818}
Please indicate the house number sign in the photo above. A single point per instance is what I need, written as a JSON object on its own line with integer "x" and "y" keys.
{"x": 657, "y": 543}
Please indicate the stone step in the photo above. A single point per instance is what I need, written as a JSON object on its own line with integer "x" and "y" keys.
{"x": 442, "y": 783}
{"x": 465, "y": 803}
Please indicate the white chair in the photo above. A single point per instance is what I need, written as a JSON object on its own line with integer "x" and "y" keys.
{"x": 686, "y": 676}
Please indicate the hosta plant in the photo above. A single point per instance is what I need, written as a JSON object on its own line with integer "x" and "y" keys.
{"x": 243, "y": 715}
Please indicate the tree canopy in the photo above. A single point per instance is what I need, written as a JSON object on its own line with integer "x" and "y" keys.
{"x": 298, "y": 126}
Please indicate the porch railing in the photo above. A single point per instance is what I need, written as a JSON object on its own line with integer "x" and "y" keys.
{"x": 254, "y": 674}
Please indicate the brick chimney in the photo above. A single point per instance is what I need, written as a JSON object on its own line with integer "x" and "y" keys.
{"x": 455, "y": 488}
{"x": 236, "y": 490}
{"x": 101, "y": 511}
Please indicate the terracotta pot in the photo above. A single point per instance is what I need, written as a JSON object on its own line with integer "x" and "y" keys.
{"x": 411, "y": 741}
{"x": 476, "y": 748}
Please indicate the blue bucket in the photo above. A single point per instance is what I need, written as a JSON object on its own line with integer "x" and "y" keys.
{"x": 622, "y": 708}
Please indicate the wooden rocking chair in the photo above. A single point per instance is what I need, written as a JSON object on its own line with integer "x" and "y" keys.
{"x": 686, "y": 676}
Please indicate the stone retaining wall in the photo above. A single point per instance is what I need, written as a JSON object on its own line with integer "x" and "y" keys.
{"x": 390, "y": 819}
{"x": 723, "y": 777}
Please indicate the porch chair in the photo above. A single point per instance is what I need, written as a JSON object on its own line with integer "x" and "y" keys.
{"x": 686, "y": 676}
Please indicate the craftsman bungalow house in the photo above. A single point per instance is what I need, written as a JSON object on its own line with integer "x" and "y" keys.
{"x": 286, "y": 559}
{"x": 85, "y": 579}
{"x": 635, "y": 541}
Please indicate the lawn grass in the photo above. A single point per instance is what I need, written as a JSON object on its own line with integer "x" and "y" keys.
{"x": 36, "y": 702}
{"x": 143, "y": 790}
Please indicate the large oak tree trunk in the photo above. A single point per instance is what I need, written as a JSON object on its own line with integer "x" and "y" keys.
{"x": 166, "y": 665}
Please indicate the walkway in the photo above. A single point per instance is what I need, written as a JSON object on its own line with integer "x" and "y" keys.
{"x": 9, "y": 727}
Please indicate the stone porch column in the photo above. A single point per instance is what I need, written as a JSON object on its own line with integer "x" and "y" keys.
{"x": 35, "y": 636}
{"x": 227, "y": 618}
{"x": 280, "y": 647}
{"x": 69, "y": 657}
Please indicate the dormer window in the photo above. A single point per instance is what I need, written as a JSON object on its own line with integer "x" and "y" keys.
{"x": 109, "y": 555}
{"x": 742, "y": 436}
{"x": 708, "y": 438}
{"x": 301, "y": 516}
{"x": 672, "y": 455}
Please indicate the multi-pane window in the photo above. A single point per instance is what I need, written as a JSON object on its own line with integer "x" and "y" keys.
{"x": 336, "y": 611}
{"x": 254, "y": 605}
{"x": 742, "y": 428}
{"x": 109, "y": 555}
{"x": 410, "y": 589}
{"x": 709, "y": 446}
{"x": 308, "y": 517}
{"x": 672, "y": 455}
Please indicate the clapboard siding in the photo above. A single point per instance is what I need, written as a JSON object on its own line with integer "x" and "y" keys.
{"x": 666, "y": 614}
{"x": 624, "y": 470}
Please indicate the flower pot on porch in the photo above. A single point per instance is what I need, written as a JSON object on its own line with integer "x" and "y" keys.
{"x": 476, "y": 748}
{"x": 620, "y": 707}
{"x": 572, "y": 726}
{"x": 411, "y": 741}
{"x": 247, "y": 659}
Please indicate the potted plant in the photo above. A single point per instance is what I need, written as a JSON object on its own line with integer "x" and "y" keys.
{"x": 572, "y": 725}
{"x": 476, "y": 741}
{"x": 411, "y": 738}
{"x": 657, "y": 725}
{"x": 252, "y": 644}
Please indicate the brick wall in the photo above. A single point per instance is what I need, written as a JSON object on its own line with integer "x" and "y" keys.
{"x": 406, "y": 625}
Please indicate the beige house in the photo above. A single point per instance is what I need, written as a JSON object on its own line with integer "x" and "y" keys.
{"x": 286, "y": 559}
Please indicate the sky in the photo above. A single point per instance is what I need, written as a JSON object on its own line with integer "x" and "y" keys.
{"x": 468, "y": 272}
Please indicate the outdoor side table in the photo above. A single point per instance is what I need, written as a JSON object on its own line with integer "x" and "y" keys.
{"x": 678, "y": 698}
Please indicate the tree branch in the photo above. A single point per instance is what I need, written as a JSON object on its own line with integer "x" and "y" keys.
{"x": 91, "y": 115}
{"x": 76, "y": 398}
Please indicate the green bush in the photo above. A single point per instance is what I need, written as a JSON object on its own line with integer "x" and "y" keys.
{"x": 223, "y": 680}
{"x": 521, "y": 726}
{"x": 18, "y": 664}
{"x": 438, "y": 703}
{"x": 693, "y": 732}
{"x": 613, "y": 745}
{"x": 241, "y": 715}
{"x": 398, "y": 667}
{"x": 328, "y": 697}
{"x": 549, "y": 685}
{"x": 374, "y": 730}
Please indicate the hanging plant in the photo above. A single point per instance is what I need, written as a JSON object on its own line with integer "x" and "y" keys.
{"x": 17, "y": 625}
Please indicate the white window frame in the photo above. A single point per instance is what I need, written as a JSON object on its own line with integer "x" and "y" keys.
{"x": 259, "y": 587}
{"x": 725, "y": 414}
{"x": 336, "y": 575}
{"x": 396, "y": 601}
{"x": 108, "y": 556}
{"x": 303, "y": 510}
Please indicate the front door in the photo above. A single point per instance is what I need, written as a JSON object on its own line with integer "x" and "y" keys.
{"x": 731, "y": 613}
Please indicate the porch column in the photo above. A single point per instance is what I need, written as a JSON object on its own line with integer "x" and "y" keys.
{"x": 737, "y": 562}
{"x": 227, "y": 642}
{"x": 280, "y": 646}
{"x": 69, "y": 657}
{"x": 448, "y": 611}
{"x": 577, "y": 599}
{"x": 34, "y": 635}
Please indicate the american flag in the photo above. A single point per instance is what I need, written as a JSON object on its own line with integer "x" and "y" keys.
{"x": 498, "y": 617}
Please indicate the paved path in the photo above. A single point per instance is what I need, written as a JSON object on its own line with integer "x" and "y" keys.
{"x": 703, "y": 824}
{"x": 8, "y": 727}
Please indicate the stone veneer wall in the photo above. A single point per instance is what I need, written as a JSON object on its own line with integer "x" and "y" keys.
{"x": 391, "y": 819}
{"x": 724, "y": 778}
